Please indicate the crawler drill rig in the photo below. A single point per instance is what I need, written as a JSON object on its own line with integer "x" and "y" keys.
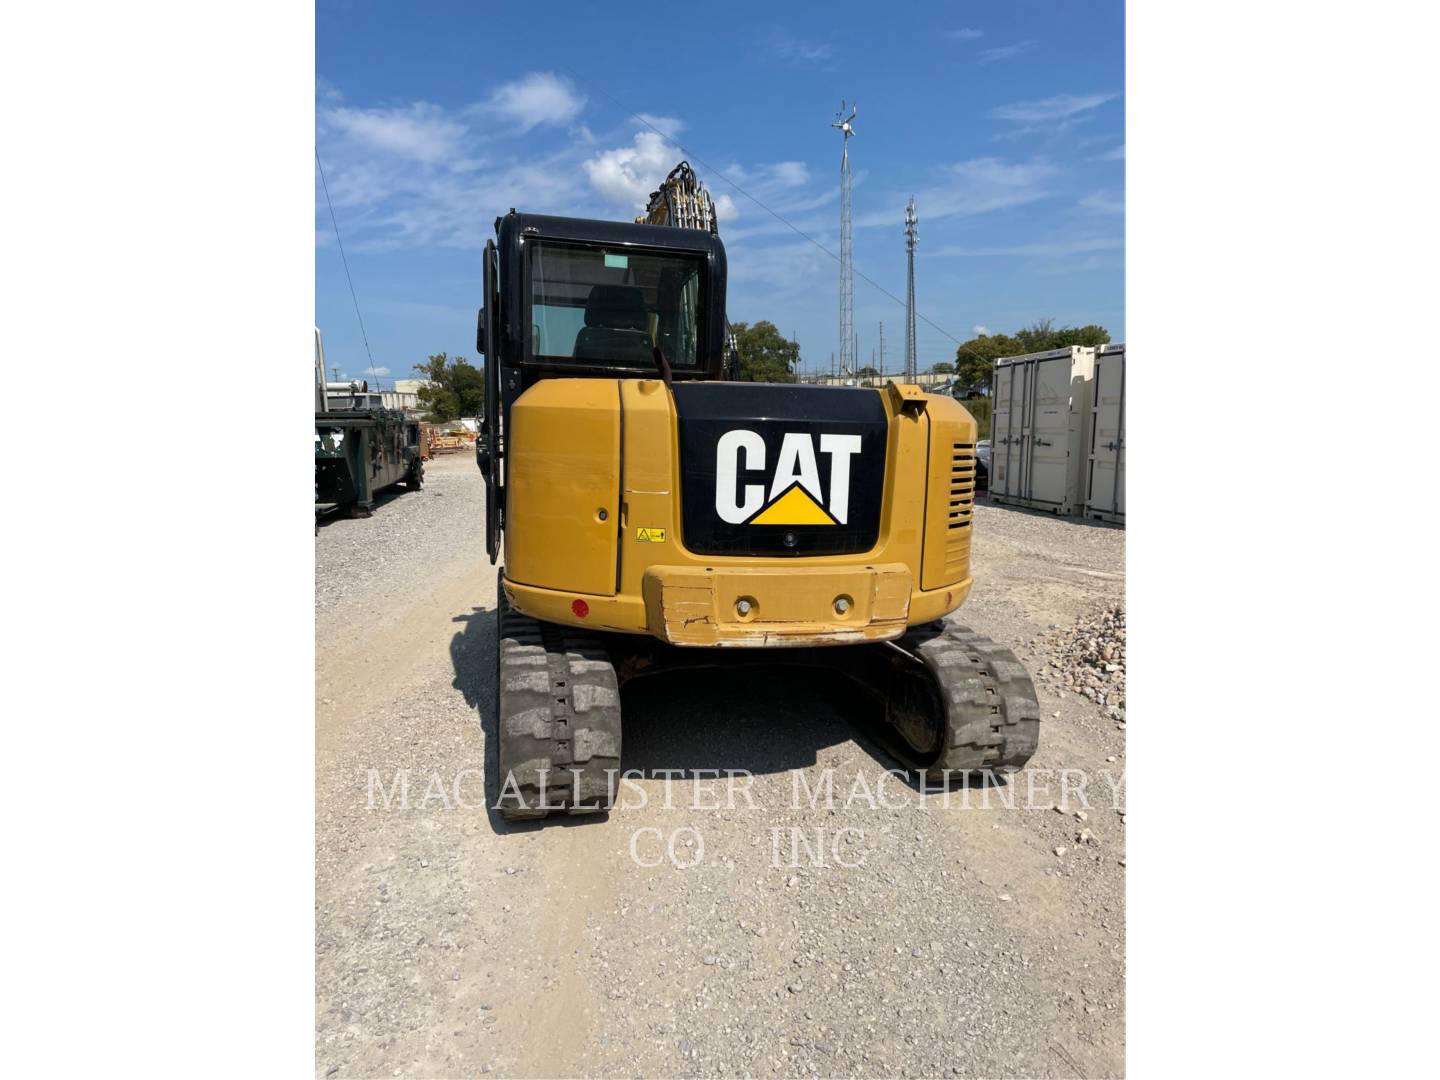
{"x": 656, "y": 516}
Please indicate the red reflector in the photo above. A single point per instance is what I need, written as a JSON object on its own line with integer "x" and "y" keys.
{"x": 580, "y": 607}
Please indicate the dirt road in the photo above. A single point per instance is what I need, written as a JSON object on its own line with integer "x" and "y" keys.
{"x": 679, "y": 937}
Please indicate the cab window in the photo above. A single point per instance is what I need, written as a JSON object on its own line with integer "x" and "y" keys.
{"x": 612, "y": 306}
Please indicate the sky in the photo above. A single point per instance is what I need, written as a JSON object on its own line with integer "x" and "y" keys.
{"x": 1004, "y": 120}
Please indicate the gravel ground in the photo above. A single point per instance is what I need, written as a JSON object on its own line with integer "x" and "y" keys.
{"x": 368, "y": 564}
{"x": 980, "y": 938}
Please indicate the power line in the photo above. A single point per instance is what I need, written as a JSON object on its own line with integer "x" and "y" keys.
{"x": 346, "y": 262}
{"x": 789, "y": 225}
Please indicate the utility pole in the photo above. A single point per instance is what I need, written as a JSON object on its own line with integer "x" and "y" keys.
{"x": 912, "y": 235}
{"x": 882, "y": 349}
{"x": 847, "y": 268}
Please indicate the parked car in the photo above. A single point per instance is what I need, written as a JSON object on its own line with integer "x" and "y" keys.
{"x": 982, "y": 465}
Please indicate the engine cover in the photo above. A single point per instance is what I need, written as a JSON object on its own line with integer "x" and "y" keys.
{"x": 778, "y": 469}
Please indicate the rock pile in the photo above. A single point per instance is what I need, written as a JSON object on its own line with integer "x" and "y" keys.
{"x": 1089, "y": 660}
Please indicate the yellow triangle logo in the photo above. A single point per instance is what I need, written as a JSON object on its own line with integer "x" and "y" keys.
{"x": 795, "y": 507}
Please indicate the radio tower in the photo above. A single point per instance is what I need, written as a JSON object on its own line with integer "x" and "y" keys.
{"x": 847, "y": 268}
{"x": 912, "y": 233}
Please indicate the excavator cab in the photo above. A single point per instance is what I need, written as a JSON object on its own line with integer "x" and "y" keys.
{"x": 655, "y": 515}
{"x": 575, "y": 298}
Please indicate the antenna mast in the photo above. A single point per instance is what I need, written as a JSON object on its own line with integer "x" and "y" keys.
{"x": 847, "y": 275}
{"x": 912, "y": 234}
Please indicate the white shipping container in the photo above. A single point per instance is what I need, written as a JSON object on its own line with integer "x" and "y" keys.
{"x": 1039, "y": 429}
{"x": 1105, "y": 485}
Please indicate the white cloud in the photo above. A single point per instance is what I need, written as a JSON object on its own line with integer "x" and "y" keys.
{"x": 386, "y": 202}
{"x": 977, "y": 186}
{"x": 764, "y": 273}
{"x": 1059, "y": 107}
{"x": 1089, "y": 264}
{"x": 628, "y": 174}
{"x": 772, "y": 178}
{"x": 541, "y": 97}
{"x": 1006, "y": 52}
{"x": 790, "y": 173}
{"x": 1050, "y": 248}
{"x": 456, "y": 210}
{"x": 965, "y": 33}
{"x": 1117, "y": 154}
{"x": 371, "y": 157}
{"x": 1103, "y": 202}
{"x": 981, "y": 331}
{"x": 783, "y": 46}
{"x": 667, "y": 125}
{"x": 421, "y": 131}
{"x": 725, "y": 210}
{"x": 417, "y": 176}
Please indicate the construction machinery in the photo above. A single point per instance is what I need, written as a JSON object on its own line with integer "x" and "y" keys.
{"x": 655, "y": 516}
{"x": 361, "y": 447}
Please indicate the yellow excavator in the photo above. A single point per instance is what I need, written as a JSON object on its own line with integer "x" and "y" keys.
{"x": 655, "y": 514}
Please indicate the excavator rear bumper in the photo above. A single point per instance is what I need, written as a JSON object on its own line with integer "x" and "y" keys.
{"x": 771, "y": 607}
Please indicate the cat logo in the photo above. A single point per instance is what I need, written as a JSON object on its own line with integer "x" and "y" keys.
{"x": 793, "y": 496}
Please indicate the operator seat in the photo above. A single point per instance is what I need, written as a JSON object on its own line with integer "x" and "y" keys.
{"x": 616, "y": 327}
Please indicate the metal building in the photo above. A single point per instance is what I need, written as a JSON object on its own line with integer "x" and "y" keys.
{"x": 1040, "y": 429}
{"x": 1105, "y": 468}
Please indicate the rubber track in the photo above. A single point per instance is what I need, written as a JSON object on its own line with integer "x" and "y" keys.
{"x": 558, "y": 718}
{"x": 992, "y": 713}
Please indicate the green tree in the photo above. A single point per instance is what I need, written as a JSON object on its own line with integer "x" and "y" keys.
{"x": 766, "y": 355}
{"x": 467, "y": 383}
{"x": 1090, "y": 336}
{"x": 455, "y": 387}
{"x": 1043, "y": 334}
{"x": 944, "y": 367}
{"x": 975, "y": 359}
{"x": 441, "y": 404}
{"x": 1037, "y": 336}
{"x": 868, "y": 372}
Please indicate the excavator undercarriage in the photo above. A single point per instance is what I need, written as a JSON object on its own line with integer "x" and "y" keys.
{"x": 944, "y": 701}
